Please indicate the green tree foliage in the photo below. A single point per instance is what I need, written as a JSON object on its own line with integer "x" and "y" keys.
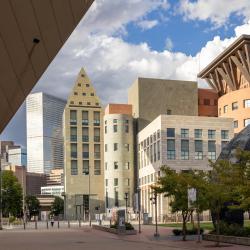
{"x": 57, "y": 206}
{"x": 32, "y": 205}
{"x": 11, "y": 195}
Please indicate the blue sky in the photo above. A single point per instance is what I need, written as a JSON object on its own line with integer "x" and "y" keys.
{"x": 118, "y": 41}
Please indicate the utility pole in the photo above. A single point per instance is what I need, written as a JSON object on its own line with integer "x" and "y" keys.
{"x": 1, "y": 212}
{"x": 126, "y": 202}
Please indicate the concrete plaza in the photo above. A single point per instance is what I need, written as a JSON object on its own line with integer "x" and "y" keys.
{"x": 86, "y": 238}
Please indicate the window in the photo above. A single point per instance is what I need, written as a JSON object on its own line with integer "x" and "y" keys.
{"x": 79, "y": 84}
{"x": 247, "y": 103}
{"x": 106, "y": 147}
{"x": 126, "y": 146}
{"x": 158, "y": 151}
{"x": 116, "y": 165}
{"x": 106, "y": 182}
{"x": 115, "y": 146}
{"x": 75, "y": 93}
{"x": 87, "y": 85}
{"x": 158, "y": 134}
{"x": 169, "y": 111}
{"x": 206, "y": 102}
{"x": 211, "y": 134}
{"x": 85, "y": 117}
{"x": 234, "y": 105}
{"x": 80, "y": 103}
{"x": 116, "y": 197}
{"x": 115, "y": 128}
{"x": 96, "y": 118}
{"x": 224, "y": 134}
{"x": 115, "y": 182}
{"x": 154, "y": 152}
{"x": 106, "y": 166}
{"x": 246, "y": 122}
{"x": 73, "y": 150}
{"x": 126, "y": 128}
{"x": 198, "y": 133}
{"x": 236, "y": 124}
{"x": 71, "y": 102}
{"x": 170, "y": 132}
{"x": 85, "y": 134}
{"x": 88, "y": 103}
{"x": 85, "y": 150}
{"x": 127, "y": 181}
{"x": 73, "y": 134}
{"x": 105, "y": 129}
{"x": 97, "y": 151}
{"x": 184, "y": 133}
{"x": 114, "y": 120}
{"x": 92, "y": 94}
{"x": 184, "y": 149}
{"x": 212, "y": 150}
{"x": 225, "y": 108}
{"x": 84, "y": 94}
{"x": 97, "y": 167}
{"x": 219, "y": 111}
{"x": 126, "y": 165}
{"x": 74, "y": 169}
{"x": 198, "y": 145}
{"x": 96, "y": 135}
{"x": 73, "y": 117}
{"x": 170, "y": 149}
{"x": 85, "y": 167}
{"x": 107, "y": 199}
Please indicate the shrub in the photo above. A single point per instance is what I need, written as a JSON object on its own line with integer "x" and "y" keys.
{"x": 178, "y": 232}
{"x": 128, "y": 226}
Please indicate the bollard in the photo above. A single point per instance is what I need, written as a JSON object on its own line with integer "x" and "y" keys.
{"x": 35, "y": 224}
{"x": 58, "y": 226}
{"x": 47, "y": 224}
{"x": 24, "y": 226}
{"x": 68, "y": 224}
{"x": 79, "y": 222}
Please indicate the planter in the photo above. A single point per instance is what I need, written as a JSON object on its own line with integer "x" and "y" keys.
{"x": 228, "y": 239}
{"x": 114, "y": 231}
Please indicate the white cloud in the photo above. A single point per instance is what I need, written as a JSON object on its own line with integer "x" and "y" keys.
{"x": 216, "y": 11}
{"x": 147, "y": 24}
{"x": 169, "y": 44}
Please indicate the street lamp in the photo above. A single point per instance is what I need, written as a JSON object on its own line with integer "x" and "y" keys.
{"x": 139, "y": 207}
{"x": 154, "y": 201}
{"x": 126, "y": 200}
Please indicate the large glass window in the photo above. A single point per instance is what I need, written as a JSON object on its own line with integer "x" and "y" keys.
{"x": 96, "y": 118}
{"x": 170, "y": 132}
{"x": 73, "y": 117}
{"x": 198, "y": 133}
{"x": 246, "y": 122}
{"x": 198, "y": 145}
{"x": 85, "y": 134}
{"x": 184, "y": 149}
{"x": 247, "y": 103}
{"x": 74, "y": 169}
{"x": 170, "y": 149}
{"x": 211, "y": 134}
{"x": 184, "y": 133}
{"x": 85, "y": 167}
{"x": 85, "y": 118}
{"x": 85, "y": 150}
{"x": 97, "y": 167}
{"x": 212, "y": 150}
{"x": 224, "y": 134}
{"x": 96, "y": 135}
{"x": 73, "y": 150}
{"x": 97, "y": 151}
{"x": 73, "y": 134}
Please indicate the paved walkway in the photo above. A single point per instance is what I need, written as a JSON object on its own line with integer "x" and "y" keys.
{"x": 86, "y": 238}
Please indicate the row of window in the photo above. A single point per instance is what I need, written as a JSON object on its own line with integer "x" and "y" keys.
{"x": 151, "y": 139}
{"x": 115, "y": 128}
{"x": 235, "y": 106}
{"x": 198, "y": 133}
{"x": 208, "y": 102}
{"x": 149, "y": 178}
{"x": 87, "y": 103}
{"x": 85, "y": 134}
{"x": 85, "y": 150}
{"x": 116, "y": 182}
{"x": 85, "y": 118}
{"x": 116, "y": 165}
{"x": 246, "y": 122}
{"x": 115, "y": 147}
{"x": 85, "y": 167}
{"x": 84, "y": 94}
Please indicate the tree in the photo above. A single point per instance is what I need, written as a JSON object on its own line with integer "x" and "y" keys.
{"x": 57, "y": 206}
{"x": 32, "y": 205}
{"x": 11, "y": 195}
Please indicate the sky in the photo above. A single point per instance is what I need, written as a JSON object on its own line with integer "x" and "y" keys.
{"x": 119, "y": 41}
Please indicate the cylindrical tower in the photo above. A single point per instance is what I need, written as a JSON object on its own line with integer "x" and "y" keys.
{"x": 118, "y": 156}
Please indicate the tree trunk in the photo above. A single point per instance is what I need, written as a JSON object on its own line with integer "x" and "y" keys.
{"x": 184, "y": 226}
{"x": 217, "y": 228}
{"x": 192, "y": 219}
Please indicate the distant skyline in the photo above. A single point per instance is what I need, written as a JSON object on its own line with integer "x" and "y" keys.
{"x": 118, "y": 41}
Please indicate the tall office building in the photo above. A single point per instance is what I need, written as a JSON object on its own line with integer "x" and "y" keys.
{"x": 44, "y": 132}
{"x": 83, "y": 144}
{"x": 17, "y": 156}
{"x": 119, "y": 155}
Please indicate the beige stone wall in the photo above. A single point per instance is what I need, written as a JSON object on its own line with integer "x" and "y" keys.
{"x": 153, "y": 97}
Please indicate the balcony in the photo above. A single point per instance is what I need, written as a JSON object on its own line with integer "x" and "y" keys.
{"x": 97, "y": 155}
{"x": 85, "y": 154}
{"x": 97, "y": 122}
{"x": 85, "y": 122}
{"x": 85, "y": 138}
{"x": 73, "y": 122}
{"x": 96, "y": 138}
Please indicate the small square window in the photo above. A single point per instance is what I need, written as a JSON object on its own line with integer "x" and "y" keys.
{"x": 184, "y": 133}
{"x": 236, "y": 124}
{"x": 234, "y": 105}
{"x": 87, "y": 85}
{"x": 169, "y": 111}
{"x": 97, "y": 104}
{"x": 84, "y": 94}
{"x": 224, "y": 134}
{"x": 92, "y": 94}
{"x": 82, "y": 75}
{"x": 225, "y": 108}
{"x": 79, "y": 84}
{"x": 211, "y": 134}
{"x": 88, "y": 103}
{"x": 80, "y": 103}
{"x": 170, "y": 132}
{"x": 71, "y": 102}
{"x": 198, "y": 133}
{"x": 115, "y": 165}
{"x": 75, "y": 93}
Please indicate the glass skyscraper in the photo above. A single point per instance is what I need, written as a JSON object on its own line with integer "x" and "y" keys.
{"x": 44, "y": 132}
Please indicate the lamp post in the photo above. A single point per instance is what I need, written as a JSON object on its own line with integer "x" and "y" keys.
{"x": 1, "y": 227}
{"x": 154, "y": 201}
{"x": 139, "y": 207}
{"x": 126, "y": 202}
{"x": 89, "y": 202}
